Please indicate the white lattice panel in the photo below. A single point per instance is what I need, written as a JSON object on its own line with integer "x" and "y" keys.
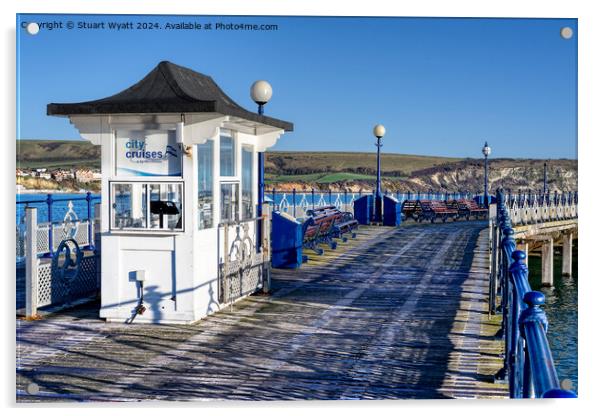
{"x": 81, "y": 234}
{"x": 525, "y": 217}
{"x": 45, "y": 284}
{"x": 42, "y": 235}
{"x": 53, "y": 291}
{"x": 20, "y": 244}
{"x": 62, "y": 231}
{"x": 241, "y": 278}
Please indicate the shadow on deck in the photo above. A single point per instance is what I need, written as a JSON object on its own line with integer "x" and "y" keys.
{"x": 395, "y": 313}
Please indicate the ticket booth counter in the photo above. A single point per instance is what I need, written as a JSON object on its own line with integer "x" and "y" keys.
{"x": 179, "y": 195}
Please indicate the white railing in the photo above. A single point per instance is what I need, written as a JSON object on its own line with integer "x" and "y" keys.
{"x": 62, "y": 278}
{"x": 537, "y": 210}
{"x": 243, "y": 263}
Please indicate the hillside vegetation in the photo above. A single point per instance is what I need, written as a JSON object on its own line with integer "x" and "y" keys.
{"x": 57, "y": 154}
{"x": 355, "y": 171}
{"x": 302, "y": 163}
{"x": 348, "y": 170}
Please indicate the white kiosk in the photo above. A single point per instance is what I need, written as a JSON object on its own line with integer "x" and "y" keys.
{"x": 180, "y": 186}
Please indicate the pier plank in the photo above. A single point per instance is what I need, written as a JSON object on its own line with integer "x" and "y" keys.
{"x": 395, "y": 313}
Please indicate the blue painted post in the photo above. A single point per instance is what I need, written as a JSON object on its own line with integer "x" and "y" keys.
{"x": 294, "y": 202}
{"x": 330, "y": 197}
{"x": 345, "y": 202}
{"x": 519, "y": 284}
{"x": 533, "y": 326}
{"x": 545, "y": 178}
{"x": 486, "y": 151}
{"x": 49, "y": 202}
{"x": 377, "y": 196}
{"x": 260, "y": 186}
{"x": 378, "y": 146}
{"x": 508, "y": 245}
{"x": 90, "y": 219}
{"x": 313, "y": 202}
{"x": 273, "y": 199}
{"x": 486, "y": 187}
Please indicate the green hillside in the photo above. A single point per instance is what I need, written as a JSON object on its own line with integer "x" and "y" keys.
{"x": 57, "y": 154}
{"x": 349, "y": 170}
{"x": 291, "y": 164}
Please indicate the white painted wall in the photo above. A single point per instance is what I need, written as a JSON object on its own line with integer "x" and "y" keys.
{"x": 181, "y": 268}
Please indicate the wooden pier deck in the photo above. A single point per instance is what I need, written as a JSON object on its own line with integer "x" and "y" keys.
{"x": 394, "y": 314}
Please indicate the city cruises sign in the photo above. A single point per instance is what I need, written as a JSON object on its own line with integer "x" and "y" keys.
{"x": 147, "y": 153}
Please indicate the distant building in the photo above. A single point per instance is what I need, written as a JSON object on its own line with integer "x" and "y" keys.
{"x": 87, "y": 175}
{"x": 60, "y": 175}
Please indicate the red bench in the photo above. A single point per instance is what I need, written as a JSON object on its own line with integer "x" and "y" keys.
{"x": 324, "y": 225}
{"x": 411, "y": 209}
{"x": 469, "y": 207}
{"x": 431, "y": 210}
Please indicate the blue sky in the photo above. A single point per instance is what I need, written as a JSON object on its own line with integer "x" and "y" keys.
{"x": 440, "y": 86}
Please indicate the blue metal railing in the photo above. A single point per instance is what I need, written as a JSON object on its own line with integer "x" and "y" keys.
{"x": 528, "y": 363}
{"x": 50, "y": 200}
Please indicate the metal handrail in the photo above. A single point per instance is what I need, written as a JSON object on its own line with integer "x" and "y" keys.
{"x": 315, "y": 197}
{"x": 50, "y": 200}
{"x": 528, "y": 362}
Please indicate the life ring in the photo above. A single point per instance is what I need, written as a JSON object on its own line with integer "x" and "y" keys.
{"x": 66, "y": 263}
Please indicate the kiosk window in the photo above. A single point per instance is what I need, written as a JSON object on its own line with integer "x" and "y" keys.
{"x": 129, "y": 206}
{"x": 229, "y": 200}
{"x": 247, "y": 183}
{"x": 205, "y": 179}
{"x": 150, "y": 206}
{"x": 165, "y": 206}
{"x": 226, "y": 155}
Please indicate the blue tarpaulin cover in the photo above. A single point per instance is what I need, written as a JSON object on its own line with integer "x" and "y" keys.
{"x": 362, "y": 209}
{"x": 287, "y": 241}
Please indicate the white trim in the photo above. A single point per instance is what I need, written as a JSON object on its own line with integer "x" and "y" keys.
{"x": 267, "y": 140}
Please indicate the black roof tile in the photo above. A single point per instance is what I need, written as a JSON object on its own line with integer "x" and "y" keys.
{"x": 168, "y": 88}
